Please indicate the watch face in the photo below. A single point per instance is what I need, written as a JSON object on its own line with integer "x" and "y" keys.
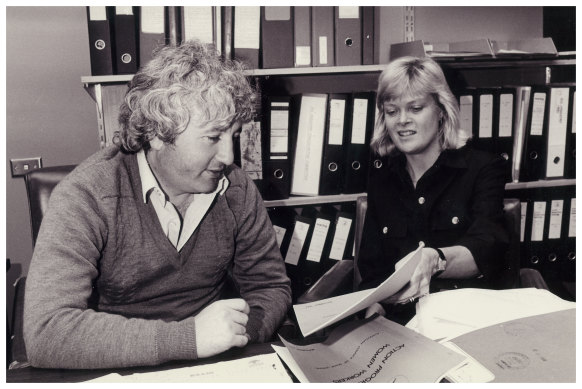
{"x": 441, "y": 265}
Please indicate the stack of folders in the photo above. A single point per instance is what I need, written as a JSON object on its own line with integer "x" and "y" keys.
{"x": 122, "y": 39}
{"x": 313, "y": 241}
{"x": 533, "y": 127}
{"x": 331, "y": 143}
{"x": 548, "y": 231}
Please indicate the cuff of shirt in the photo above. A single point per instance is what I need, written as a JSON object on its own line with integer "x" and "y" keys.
{"x": 176, "y": 340}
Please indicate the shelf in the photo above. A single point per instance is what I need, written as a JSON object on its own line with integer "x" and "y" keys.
{"x": 563, "y": 59}
{"x": 296, "y": 201}
{"x": 540, "y": 184}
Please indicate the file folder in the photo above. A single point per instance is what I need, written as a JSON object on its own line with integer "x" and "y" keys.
{"x": 302, "y": 36}
{"x": 467, "y": 110}
{"x": 277, "y": 164}
{"x": 558, "y": 108}
{"x": 535, "y": 150}
{"x": 100, "y": 49}
{"x": 295, "y": 256}
{"x": 125, "y": 33}
{"x": 309, "y": 144}
{"x": 570, "y": 163}
{"x": 198, "y": 23}
{"x": 334, "y": 157}
{"x": 348, "y": 36}
{"x": 246, "y": 39}
{"x": 538, "y": 252}
{"x": 484, "y": 129}
{"x": 283, "y": 220}
{"x": 152, "y": 31}
{"x": 227, "y": 31}
{"x": 522, "y": 96}
{"x": 569, "y": 236}
{"x": 367, "y": 35}
{"x": 277, "y": 37}
{"x": 361, "y": 126}
{"x": 343, "y": 236}
{"x": 322, "y": 38}
{"x": 504, "y": 133}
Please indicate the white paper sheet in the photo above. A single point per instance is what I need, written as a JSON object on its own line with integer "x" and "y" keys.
{"x": 312, "y": 317}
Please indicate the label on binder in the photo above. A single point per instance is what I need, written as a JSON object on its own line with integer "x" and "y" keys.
{"x": 97, "y": 13}
{"x": 466, "y": 114}
{"x": 572, "y": 224}
{"x": 250, "y": 150}
{"x": 349, "y": 12}
{"x": 337, "y": 110}
{"x": 296, "y": 244}
{"x": 557, "y": 129}
{"x": 359, "y": 121}
{"x": 537, "y": 116}
{"x": 340, "y": 238}
{"x": 318, "y": 240}
{"x": 152, "y": 20}
{"x": 279, "y": 129}
{"x": 198, "y": 23}
{"x": 323, "y": 50}
{"x": 279, "y": 234}
{"x": 537, "y": 226}
{"x": 555, "y": 219}
{"x": 486, "y": 116}
{"x": 505, "y": 115}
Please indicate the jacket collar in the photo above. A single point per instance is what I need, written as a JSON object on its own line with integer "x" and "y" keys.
{"x": 454, "y": 158}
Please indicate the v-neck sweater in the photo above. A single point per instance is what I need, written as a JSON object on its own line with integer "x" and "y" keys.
{"x": 106, "y": 288}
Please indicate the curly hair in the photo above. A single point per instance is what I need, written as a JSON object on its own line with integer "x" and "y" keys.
{"x": 183, "y": 82}
{"x": 417, "y": 77}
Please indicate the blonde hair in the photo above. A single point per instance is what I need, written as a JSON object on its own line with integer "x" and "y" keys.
{"x": 180, "y": 81}
{"x": 417, "y": 77}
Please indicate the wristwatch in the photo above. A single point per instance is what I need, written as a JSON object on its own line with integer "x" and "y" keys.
{"x": 441, "y": 264}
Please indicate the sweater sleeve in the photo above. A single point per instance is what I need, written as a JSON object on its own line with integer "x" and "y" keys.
{"x": 259, "y": 270}
{"x": 61, "y": 330}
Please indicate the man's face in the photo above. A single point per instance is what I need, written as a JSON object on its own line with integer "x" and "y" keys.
{"x": 196, "y": 162}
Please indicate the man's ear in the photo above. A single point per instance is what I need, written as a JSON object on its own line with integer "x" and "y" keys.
{"x": 156, "y": 143}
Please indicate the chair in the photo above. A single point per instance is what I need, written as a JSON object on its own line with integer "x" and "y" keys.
{"x": 39, "y": 186}
{"x": 511, "y": 276}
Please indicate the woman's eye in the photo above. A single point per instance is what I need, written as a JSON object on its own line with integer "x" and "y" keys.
{"x": 213, "y": 139}
{"x": 390, "y": 112}
{"x": 417, "y": 108}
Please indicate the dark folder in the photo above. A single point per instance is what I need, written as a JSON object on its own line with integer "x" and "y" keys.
{"x": 534, "y": 156}
{"x": 568, "y": 246}
{"x": 555, "y": 142}
{"x": 100, "y": 49}
{"x": 246, "y": 36}
{"x": 361, "y": 127}
{"x": 468, "y": 104}
{"x": 295, "y": 255}
{"x": 348, "y": 36}
{"x": 302, "y": 36}
{"x": 277, "y": 163}
{"x": 283, "y": 220}
{"x": 503, "y": 129}
{"x": 322, "y": 37}
{"x": 125, "y": 33}
{"x": 334, "y": 157}
{"x": 484, "y": 130}
{"x": 367, "y": 35}
{"x": 152, "y": 31}
{"x": 570, "y": 163}
{"x": 277, "y": 37}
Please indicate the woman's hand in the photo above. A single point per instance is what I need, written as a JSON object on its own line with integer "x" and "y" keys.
{"x": 419, "y": 284}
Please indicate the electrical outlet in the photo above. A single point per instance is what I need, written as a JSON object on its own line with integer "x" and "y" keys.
{"x": 21, "y": 166}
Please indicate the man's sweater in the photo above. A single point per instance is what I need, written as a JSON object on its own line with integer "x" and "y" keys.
{"x": 107, "y": 289}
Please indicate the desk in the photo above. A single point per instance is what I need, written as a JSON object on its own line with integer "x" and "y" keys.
{"x": 31, "y": 374}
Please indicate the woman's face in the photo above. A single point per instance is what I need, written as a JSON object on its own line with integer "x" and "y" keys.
{"x": 412, "y": 123}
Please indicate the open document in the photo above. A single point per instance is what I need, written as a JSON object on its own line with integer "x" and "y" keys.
{"x": 315, "y": 316}
{"x": 372, "y": 350}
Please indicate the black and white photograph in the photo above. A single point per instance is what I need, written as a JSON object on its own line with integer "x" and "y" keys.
{"x": 290, "y": 193}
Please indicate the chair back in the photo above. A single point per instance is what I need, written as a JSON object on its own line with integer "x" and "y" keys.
{"x": 508, "y": 278}
{"x": 39, "y": 186}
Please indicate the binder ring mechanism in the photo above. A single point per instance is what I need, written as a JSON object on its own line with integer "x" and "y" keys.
{"x": 349, "y": 42}
{"x": 356, "y": 165}
{"x": 572, "y": 256}
{"x": 535, "y": 259}
{"x": 278, "y": 174}
{"x": 533, "y": 155}
{"x": 332, "y": 166}
{"x": 552, "y": 257}
{"x": 377, "y": 163}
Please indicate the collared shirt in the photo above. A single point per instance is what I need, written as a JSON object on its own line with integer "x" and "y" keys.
{"x": 458, "y": 201}
{"x": 177, "y": 232}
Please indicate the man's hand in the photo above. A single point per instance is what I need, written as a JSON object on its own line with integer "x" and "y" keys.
{"x": 220, "y": 326}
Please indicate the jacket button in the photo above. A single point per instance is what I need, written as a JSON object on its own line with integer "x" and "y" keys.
{"x": 421, "y": 200}
{"x": 385, "y": 230}
{"x": 455, "y": 220}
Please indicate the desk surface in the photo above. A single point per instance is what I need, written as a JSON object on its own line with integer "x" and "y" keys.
{"x": 31, "y": 374}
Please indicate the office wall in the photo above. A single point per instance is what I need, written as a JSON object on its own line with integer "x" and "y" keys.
{"x": 48, "y": 113}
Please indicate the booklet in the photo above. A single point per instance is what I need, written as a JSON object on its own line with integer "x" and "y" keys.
{"x": 317, "y": 315}
{"x": 372, "y": 350}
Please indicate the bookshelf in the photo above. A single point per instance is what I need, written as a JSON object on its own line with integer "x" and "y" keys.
{"x": 293, "y": 80}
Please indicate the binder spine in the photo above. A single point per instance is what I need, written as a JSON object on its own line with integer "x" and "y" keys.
{"x": 100, "y": 47}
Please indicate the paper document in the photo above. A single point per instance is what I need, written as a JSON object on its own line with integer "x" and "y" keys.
{"x": 260, "y": 368}
{"x": 315, "y": 316}
{"x": 373, "y": 350}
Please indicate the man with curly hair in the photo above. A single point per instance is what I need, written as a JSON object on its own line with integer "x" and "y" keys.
{"x": 140, "y": 240}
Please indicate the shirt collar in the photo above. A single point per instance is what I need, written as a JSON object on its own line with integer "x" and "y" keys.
{"x": 149, "y": 182}
{"x": 450, "y": 158}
